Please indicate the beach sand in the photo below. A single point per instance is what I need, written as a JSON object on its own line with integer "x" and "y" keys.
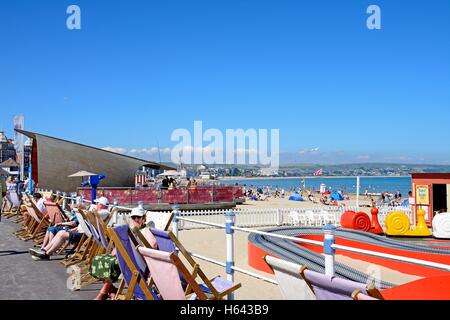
{"x": 364, "y": 203}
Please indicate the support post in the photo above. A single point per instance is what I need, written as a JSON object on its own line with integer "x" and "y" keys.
{"x": 329, "y": 231}
{"x": 229, "y": 223}
{"x": 30, "y": 179}
{"x": 176, "y": 214}
{"x": 357, "y": 192}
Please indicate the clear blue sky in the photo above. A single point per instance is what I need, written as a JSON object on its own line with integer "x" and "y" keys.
{"x": 137, "y": 70}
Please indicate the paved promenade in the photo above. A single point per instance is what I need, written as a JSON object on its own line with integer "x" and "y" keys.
{"x": 22, "y": 278}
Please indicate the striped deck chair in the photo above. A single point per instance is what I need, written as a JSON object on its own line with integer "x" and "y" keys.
{"x": 11, "y": 205}
{"x": 133, "y": 267}
{"x": 84, "y": 246}
{"x": 292, "y": 279}
{"x": 37, "y": 227}
{"x": 103, "y": 245}
{"x": 216, "y": 287}
{"x": 55, "y": 213}
{"x": 292, "y": 286}
{"x": 165, "y": 268}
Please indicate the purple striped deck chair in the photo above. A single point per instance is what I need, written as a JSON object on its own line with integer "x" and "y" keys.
{"x": 165, "y": 243}
{"x": 296, "y": 282}
{"x": 101, "y": 229}
{"x": 331, "y": 288}
{"x": 133, "y": 267}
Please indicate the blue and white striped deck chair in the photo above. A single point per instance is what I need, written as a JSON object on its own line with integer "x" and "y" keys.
{"x": 132, "y": 265}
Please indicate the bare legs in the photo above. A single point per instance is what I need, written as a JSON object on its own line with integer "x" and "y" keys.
{"x": 108, "y": 290}
{"x": 56, "y": 243}
{"x": 47, "y": 239}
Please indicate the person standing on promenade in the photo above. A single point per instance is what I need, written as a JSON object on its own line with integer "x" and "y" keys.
{"x": 3, "y": 192}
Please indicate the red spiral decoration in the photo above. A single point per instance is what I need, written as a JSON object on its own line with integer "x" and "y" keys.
{"x": 356, "y": 221}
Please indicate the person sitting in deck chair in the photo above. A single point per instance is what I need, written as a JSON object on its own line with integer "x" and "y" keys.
{"x": 106, "y": 266}
{"x": 72, "y": 235}
{"x": 53, "y": 231}
{"x": 40, "y": 204}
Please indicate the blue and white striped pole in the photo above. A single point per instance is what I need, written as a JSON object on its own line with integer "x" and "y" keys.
{"x": 329, "y": 230}
{"x": 30, "y": 179}
{"x": 229, "y": 223}
{"x": 176, "y": 214}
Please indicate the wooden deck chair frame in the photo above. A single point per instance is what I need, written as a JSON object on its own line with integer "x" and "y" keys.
{"x": 199, "y": 271}
{"x": 357, "y": 295}
{"x": 13, "y": 212}
{"x": 38, "y": 226}
{"x": 18, "y": 214}
{"x": 82, "y": 250}
{"x": 136, "y": 278}
{"x": 190, "y": 277}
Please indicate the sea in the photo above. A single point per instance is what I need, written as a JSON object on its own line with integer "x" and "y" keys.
{"x": 345, "y": 184}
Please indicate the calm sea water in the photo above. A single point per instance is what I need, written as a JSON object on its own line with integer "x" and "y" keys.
{"x": 347, "y": 185}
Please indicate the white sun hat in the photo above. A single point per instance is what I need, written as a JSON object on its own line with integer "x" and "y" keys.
{"x": 102, "y": 200}
{"x": 137, "y": 212}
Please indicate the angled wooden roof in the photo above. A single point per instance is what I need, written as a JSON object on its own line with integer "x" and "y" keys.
{"x": 9, "y": 163}
{"x": 58, "y": 158}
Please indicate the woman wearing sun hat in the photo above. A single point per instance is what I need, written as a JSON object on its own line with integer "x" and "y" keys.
{"x": 106, "y": 266}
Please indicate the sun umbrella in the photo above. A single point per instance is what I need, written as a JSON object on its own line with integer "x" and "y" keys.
{"x": 82, "y": 173}
{"x": 170, "y": 173}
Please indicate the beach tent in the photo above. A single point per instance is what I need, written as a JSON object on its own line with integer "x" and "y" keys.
{"x": 336, "y": 196}
{"x": 296, "y": 197}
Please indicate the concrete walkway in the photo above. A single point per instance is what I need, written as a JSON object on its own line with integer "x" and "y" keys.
{"x": 22, "y": 278}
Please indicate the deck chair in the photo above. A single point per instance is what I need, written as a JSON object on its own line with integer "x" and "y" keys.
{"x": 103, "y": 245}
{"x": 55, "y": 213}
{"x": 11, "y": 205}
{"x": 133, "y": 267}
{"x": 326, "y": 287}
{"x": 38, "y": 226}
{"x": 217, "y": 286}
{"x": 290, "y": 283}
{"x": 165, "y": 268}
{"x": 85, "y": 244}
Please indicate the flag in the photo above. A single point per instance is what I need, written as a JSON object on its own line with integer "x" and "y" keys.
{"x": 318, "y": 172}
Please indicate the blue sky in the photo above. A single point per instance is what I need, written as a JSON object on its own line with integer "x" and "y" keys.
{"x": 137, "y": 70}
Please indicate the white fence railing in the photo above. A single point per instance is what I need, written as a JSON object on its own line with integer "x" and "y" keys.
{"x": 268, "y": 217}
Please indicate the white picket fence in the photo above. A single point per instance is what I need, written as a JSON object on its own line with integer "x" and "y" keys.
{"x": 383, "y": 211}
{"x": 264, "y": 217}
